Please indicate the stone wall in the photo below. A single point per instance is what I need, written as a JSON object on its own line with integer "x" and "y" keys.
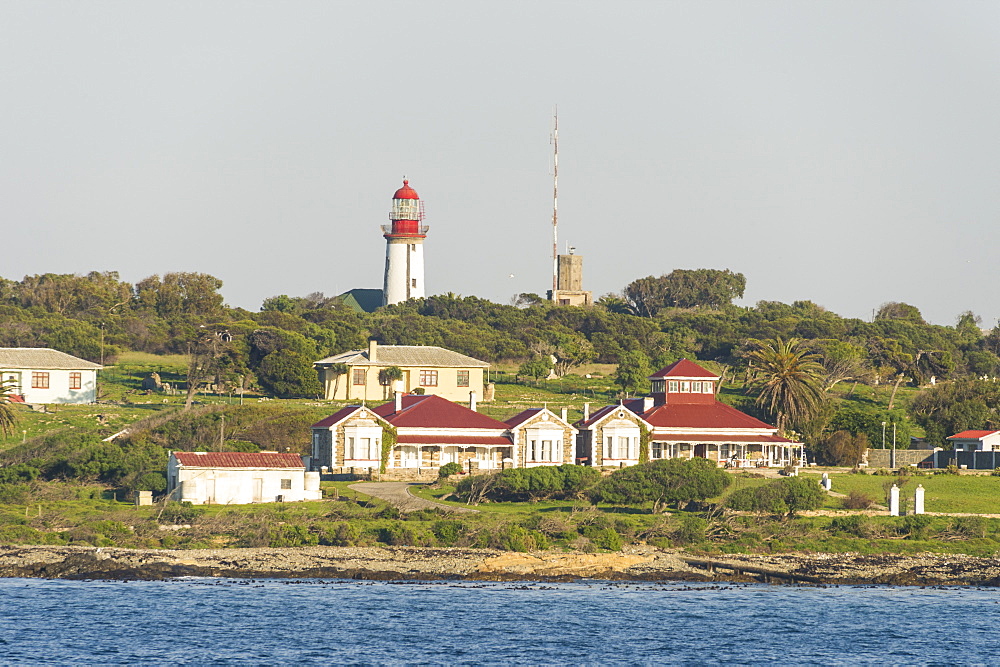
{"x": 881, "y": 458}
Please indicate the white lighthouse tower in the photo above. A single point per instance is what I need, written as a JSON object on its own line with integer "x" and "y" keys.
{"x": 404, "y": 247}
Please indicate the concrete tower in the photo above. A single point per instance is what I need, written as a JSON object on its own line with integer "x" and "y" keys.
{"x": 404, "y": 247}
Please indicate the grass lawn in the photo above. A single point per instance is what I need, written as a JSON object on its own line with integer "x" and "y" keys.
{"x": 975, "y": 494}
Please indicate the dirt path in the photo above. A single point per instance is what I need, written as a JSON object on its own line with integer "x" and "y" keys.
{"x": 398, "y": 494}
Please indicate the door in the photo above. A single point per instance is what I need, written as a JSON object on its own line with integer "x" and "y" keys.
{"x": 701, "y": 451}
{"x": 210, "y": 491}
{"x": 12, "y": 380}
{"x": 258, "y": 489}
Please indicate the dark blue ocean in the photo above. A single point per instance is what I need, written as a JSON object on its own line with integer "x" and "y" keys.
{"x": 204, "y": 621}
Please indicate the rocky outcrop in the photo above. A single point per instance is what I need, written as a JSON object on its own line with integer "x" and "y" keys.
{"x": 416, "y": 563}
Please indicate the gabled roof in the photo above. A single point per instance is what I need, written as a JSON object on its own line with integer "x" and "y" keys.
{"x": 684, "y": 369}
{"x": 337, "y": 417}
{"x": 239, "y": 459}
{"x": 42, "y": 358}
{"x": 604, "y": 412}
{"x": 526, "y": 415}
{"x": 971, "y": 435}
{"x": 522, "y": 417}
{"x": 405, "y": 355}
{"x": 435, "y": 412}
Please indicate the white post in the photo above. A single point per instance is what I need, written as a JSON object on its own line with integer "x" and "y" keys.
{"x": 894, "y": 501}
{"x": 825, "y": 481}
{"x": 918, "y": 499}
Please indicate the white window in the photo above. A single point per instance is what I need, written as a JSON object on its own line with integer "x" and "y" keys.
{"x": 545, "y": 444}
{"x": 657, "y": 452}
{"x": 685, "y": 386}
{"x": 672, "y": 386}
{"x": 621, "y": 441}
{"x": 708, "y": 387}
{"x": 363, "y": 442}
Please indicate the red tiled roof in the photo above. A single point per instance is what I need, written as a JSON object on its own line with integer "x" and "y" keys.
{"x": 684, "y": 369}
{"x": 600, "y": 414}
{"x": 435, "y": 412}
{"x": 461, "y": 440}
{"x": 336, "y": 417}
{"x": 709, "y": 437}
{"x": 239, "y": 459}
{"x": 701, "y": 415}
{"x": 970, "y": 435}
{"x": 522, "y": 417}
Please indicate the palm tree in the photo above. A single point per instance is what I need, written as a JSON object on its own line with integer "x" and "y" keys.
{"x": 338, "y": 370}
{"x": 7, "y": 416}
{"x": 787, "y": 380}
{"x": 387, "y": 376}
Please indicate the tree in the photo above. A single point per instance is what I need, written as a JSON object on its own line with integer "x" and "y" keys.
{"x": 684, "y": 288}
{"x": 841, "y": 448}
{"x": 786, "y": 380}
{"x": 339, "y": 371}
{"x": 7, "y": 416}
{"x": 536, "y": 368}
{"x": 895, "y": 310}
{"x": 633, "y": 371}
{"x": 286, "y": 373}
{"x": 387, "y": 376}
{"x": 664, "y": 481}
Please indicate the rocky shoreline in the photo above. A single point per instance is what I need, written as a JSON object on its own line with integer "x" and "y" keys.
{"x": 419, "y": 563}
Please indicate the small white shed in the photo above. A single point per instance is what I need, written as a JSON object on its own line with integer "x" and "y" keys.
{"x": 239, "y": 478}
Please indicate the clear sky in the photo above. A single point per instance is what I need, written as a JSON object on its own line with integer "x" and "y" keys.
{"x": 842, "y": 152}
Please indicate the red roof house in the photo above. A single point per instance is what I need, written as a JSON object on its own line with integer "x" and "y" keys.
{"x": 976, "y": 441}
{"x": 429, "y": 431}
{"x": 683, "y": 419}
{"x": 237, "y": 478}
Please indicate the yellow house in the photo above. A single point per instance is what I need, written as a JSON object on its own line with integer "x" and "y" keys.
{"x": 436, "y": 370}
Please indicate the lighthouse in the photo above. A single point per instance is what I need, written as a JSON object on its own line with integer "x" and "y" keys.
{"x": 404, "y": 247}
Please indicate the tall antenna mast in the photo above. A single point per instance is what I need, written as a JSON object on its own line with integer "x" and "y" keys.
{"x": 555, "y": 206}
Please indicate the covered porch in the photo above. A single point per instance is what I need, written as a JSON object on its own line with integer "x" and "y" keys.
{"x": 472, "y": 453}
{"x": 730, "y": 451}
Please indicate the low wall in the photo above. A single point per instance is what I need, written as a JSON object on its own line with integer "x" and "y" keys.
{"x": 933, "y": 458}
{"x": 882, "y": 458}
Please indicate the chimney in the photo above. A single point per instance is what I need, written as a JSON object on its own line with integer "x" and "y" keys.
{"x": 565, "y": 414}
{"x": 472, "y": 401}
{"x": 586, "y": 411}
{"x": 372, "y": 350}
{"x": 647, "y": 403}
{"x": 399, "y": 401}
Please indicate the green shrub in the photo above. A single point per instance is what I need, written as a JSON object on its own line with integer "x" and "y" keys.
{"x": 690, "y": 529}
{"x": 854, "y": 526}
{"x": 339, "y": 534}
{"x": 449, "y": 469}
{"x": 783, "y": 496}
{"x": 529, "y": 484}
{"x": 447, "y": 532}
{"x": 858, "y": 500}
{"x": 285, "y": 535}
{"x": 180, "y": 513}
{"x": 969, "y": 526}
{"x": 604, "y": 538}
{"x": 664, "y": 481}
{"x": 916, "y": 526}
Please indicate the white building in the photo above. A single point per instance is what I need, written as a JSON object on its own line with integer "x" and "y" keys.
{"x": 239, "y": 478}
{"x": 44, "y": 375}
{"x": 404, "y": 247}
{"x": 976, "y": 441}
